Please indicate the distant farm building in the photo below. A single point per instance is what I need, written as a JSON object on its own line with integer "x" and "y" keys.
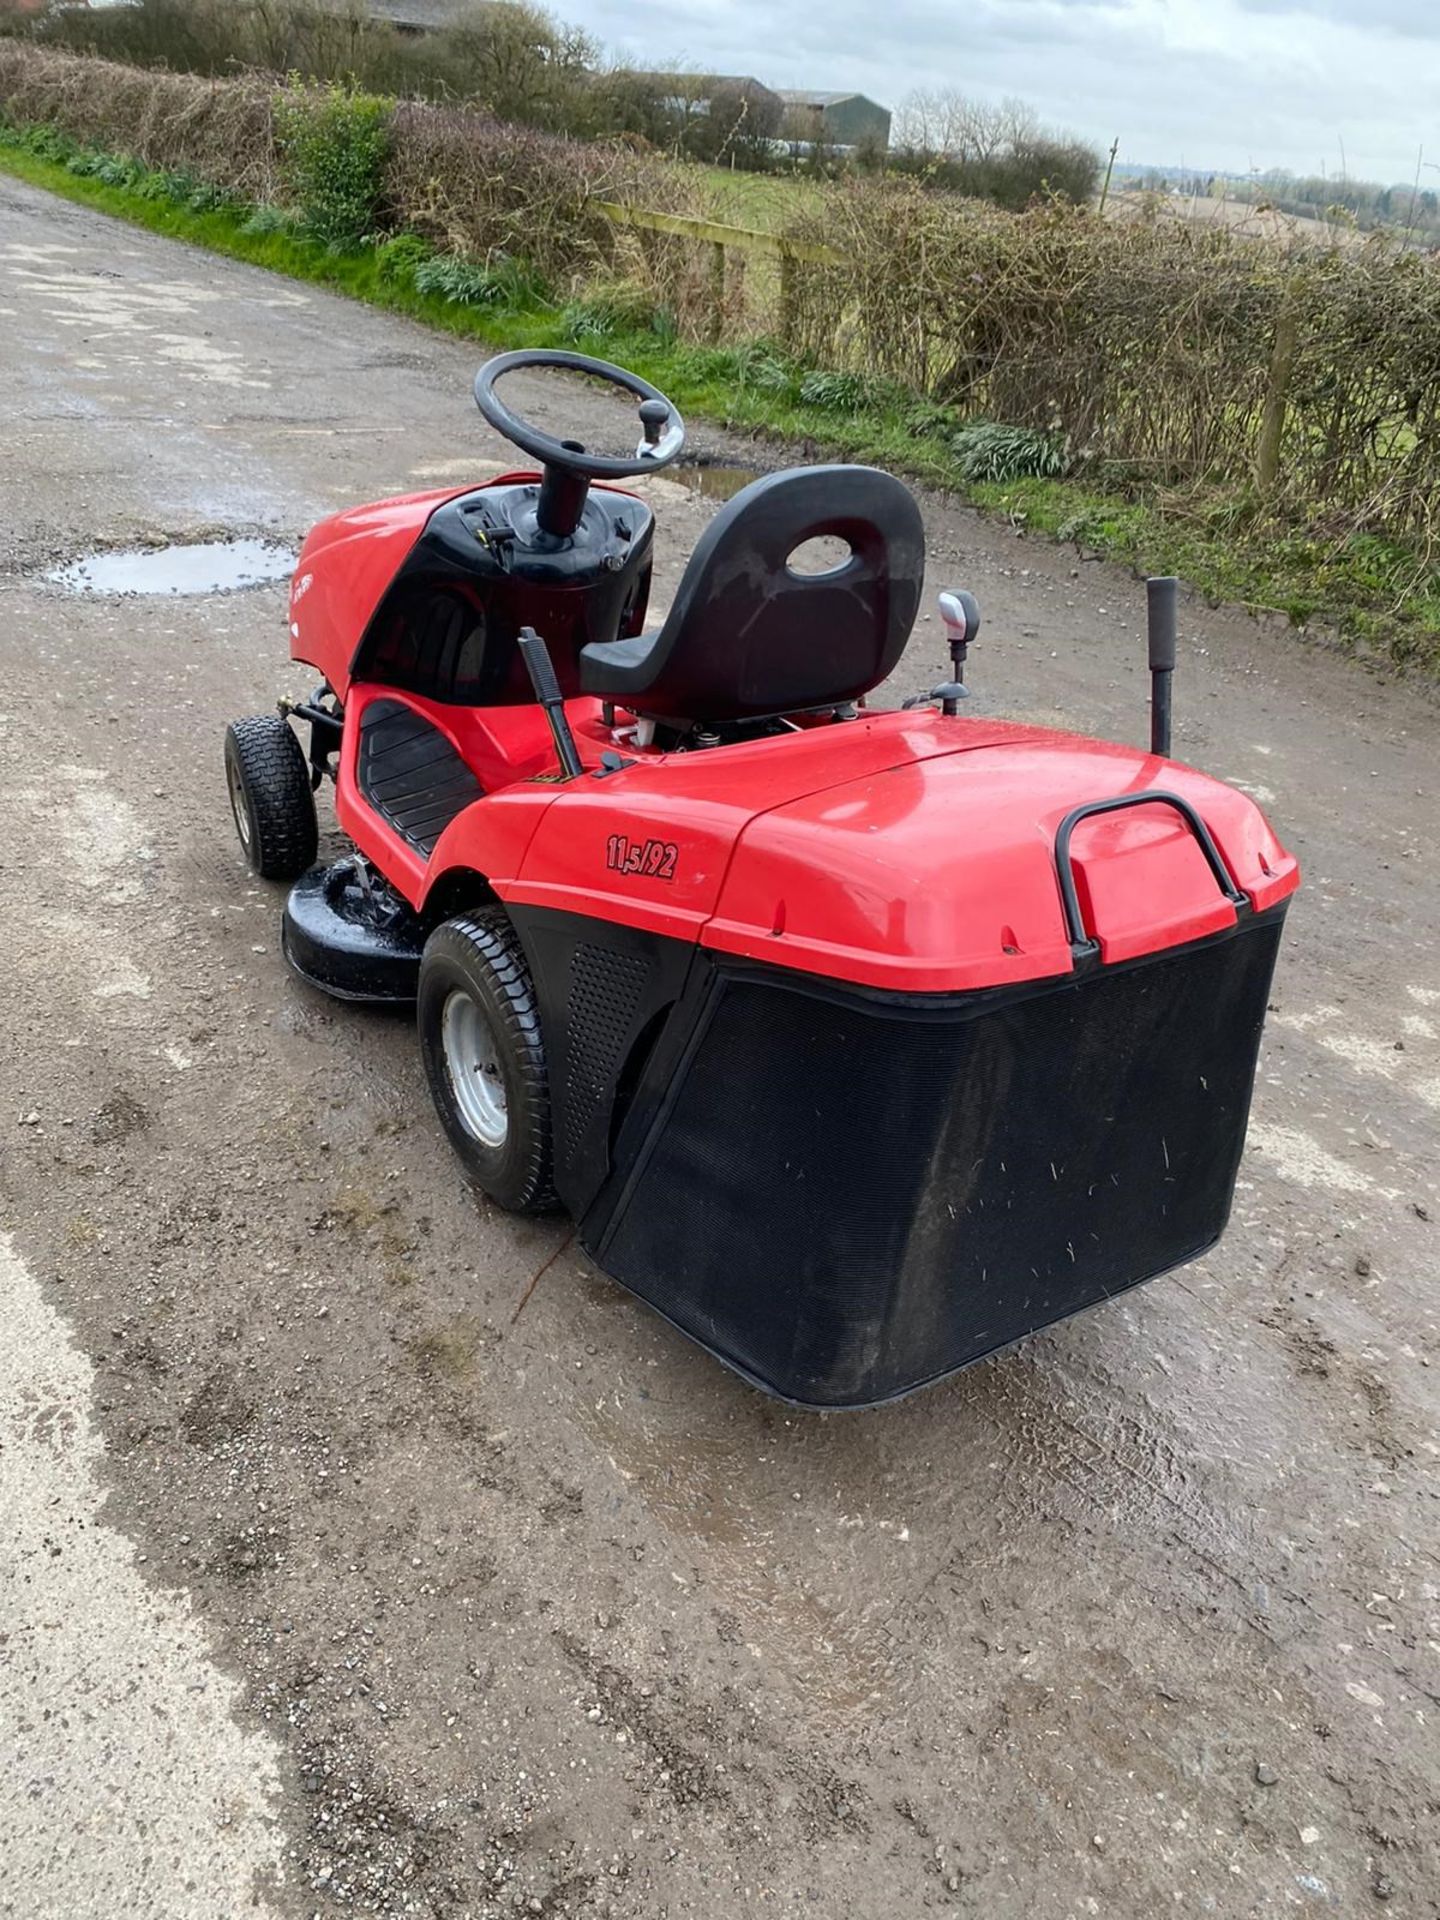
{"x": 685, "y": 94}
{"x": 835, "y": 119}
{"x": 410, "y": 16}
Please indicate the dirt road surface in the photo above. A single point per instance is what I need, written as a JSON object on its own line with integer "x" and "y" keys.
{"x": 329, "y": 1586}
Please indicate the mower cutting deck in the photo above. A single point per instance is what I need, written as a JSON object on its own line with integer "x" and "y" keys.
{"x": 858, "y": 1042}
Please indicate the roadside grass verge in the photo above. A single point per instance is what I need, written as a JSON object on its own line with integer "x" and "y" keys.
{"x": 1380, "y": 596}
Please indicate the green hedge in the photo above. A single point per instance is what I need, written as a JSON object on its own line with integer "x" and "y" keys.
{"x": 334, "y": 148}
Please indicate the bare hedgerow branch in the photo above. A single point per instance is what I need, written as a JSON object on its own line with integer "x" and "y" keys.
{"x": 455, "y": 175}
{"x": 1146, "y": 349}
{"x": 221, "y": 130}
{"x": 486, "y": 187}
{"x": 1149, "y": 345}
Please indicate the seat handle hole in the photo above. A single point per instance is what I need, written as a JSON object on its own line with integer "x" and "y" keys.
{"x": 822, "y": 554}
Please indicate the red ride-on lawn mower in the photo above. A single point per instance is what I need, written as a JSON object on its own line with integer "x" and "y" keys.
{"x": 858, "y": 1042}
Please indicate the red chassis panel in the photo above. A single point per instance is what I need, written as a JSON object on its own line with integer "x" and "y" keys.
{"x": 346, "y": 564}
{"x": 898, "y": 850}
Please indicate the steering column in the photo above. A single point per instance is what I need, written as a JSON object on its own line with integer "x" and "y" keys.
{"x": 568, "y": 466}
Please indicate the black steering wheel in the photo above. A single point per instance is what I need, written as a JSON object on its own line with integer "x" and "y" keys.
{"x": 569, "y": 466}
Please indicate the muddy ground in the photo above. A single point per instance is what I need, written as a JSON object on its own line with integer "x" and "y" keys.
{"x": 400, "y": 1604}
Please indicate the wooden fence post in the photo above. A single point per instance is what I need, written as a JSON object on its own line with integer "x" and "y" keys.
{"x": 1277, "y": 395}
{"x": 789, "y": 299}
{"x": 717, "y": 290}
{"x": 1109, "y": 170}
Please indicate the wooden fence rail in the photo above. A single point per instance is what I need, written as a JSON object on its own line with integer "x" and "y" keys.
{"x": 722, "y": 240}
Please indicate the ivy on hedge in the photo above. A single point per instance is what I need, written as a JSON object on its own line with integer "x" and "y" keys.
{"x": 333, "y": 146}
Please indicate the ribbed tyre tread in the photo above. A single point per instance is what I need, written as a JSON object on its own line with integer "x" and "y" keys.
{"x": 481, "y": 953}
{"x": 275, "y": 780}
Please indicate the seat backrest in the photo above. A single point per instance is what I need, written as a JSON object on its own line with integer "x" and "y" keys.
{"x": 748, "y": 636}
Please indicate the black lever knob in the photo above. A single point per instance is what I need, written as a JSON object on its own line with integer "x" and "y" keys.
{"x": 653, "y": 416}
{"x": 950, "y": 693}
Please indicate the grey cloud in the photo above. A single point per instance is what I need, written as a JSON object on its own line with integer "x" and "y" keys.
{"x": 1418, "y": 19}
{"x": 1100, "y": 70}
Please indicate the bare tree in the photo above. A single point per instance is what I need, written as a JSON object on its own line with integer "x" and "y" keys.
{"x": 993, "y": 151}
{"x": 949, "y": 124}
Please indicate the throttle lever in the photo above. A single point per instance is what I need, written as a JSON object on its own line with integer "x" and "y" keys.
{"x": 654, "y": 415}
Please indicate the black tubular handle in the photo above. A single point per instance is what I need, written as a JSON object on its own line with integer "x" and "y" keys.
{"x": 540, "y": 667}
{"x": 1162, "y": 595}
{"x": 1080, "y": 941}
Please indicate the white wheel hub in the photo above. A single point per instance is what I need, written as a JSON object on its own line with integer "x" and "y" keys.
{"x": 472, "y": 1060}
{"x": 236, "y": 783}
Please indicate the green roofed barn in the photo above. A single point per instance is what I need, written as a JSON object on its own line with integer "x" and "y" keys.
{"x": 835, "y": 119}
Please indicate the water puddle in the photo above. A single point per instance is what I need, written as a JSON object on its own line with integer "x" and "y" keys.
{"x": 713, "y": 483}
{"x": 209, "y": 566}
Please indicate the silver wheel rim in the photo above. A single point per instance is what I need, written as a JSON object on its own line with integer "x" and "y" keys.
{"x": 237, "y": 804}
{"x": 472, "y": 1060}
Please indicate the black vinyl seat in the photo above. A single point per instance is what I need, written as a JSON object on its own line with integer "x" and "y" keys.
{"x": 748, "y": 636}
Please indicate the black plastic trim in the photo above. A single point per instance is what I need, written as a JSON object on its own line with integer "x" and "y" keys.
{"x": 348, "y": 935}
{"x": 1080, "y": 940}
{"x": 479, "y": 560}
{"x": 411, "y": 774}
{"x": 651, "y": 972}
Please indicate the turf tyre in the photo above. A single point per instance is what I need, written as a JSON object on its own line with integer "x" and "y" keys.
{"x": 271, "y": 797}
{"x": 477, "y": 958}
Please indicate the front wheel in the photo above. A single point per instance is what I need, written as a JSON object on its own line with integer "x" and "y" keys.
{"x": 485, "y": 1059}
{"x": 271, "y": 797}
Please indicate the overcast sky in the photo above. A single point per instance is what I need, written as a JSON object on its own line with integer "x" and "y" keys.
{"x": 1216, "y": 83}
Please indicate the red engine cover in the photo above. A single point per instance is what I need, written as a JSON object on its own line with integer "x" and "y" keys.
{"x": 901, "y": 850}
{"x": 940, "y": 875}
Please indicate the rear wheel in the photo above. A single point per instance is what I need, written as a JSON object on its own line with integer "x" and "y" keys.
{"x": 485, "y": 1058}
{"x": 271, "y": 797}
